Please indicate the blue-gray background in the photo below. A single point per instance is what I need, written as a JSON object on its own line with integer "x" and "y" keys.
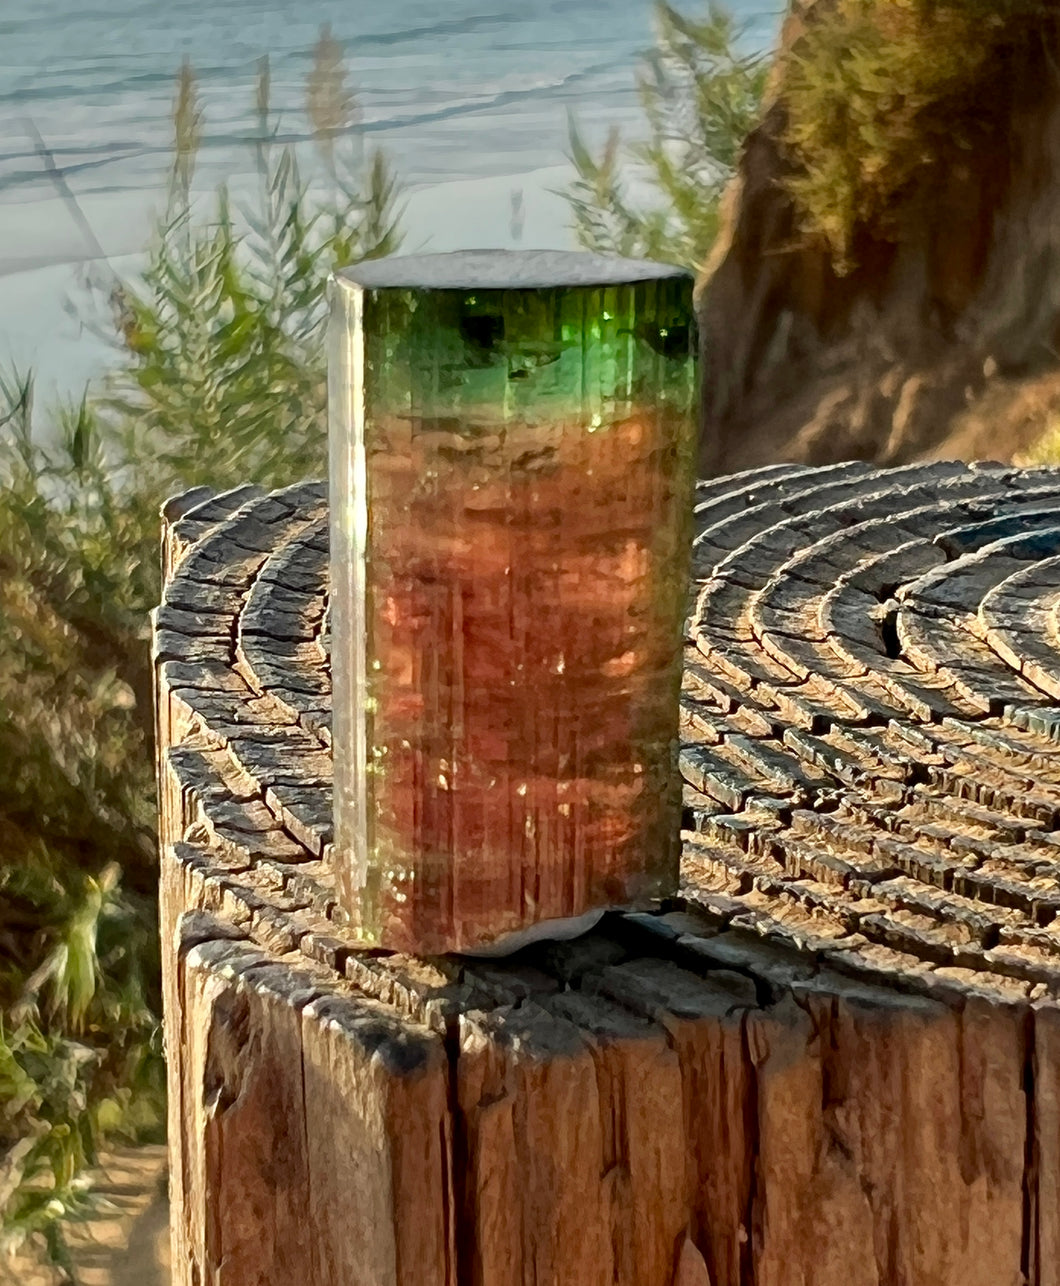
{"x": 469, "y": 98}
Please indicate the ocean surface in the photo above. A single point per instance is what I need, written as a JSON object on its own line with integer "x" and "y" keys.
{"x": 469, "y": 99}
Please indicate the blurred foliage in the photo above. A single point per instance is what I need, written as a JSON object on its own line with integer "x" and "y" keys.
{"x": 877, "y": 91}
{"x": 701, "y": 98}
{"x": 220, "y": 380}
{"x": 79, "y": 1040}
{"x": 79, "y": 1049}
{"x": 225, "y": 331}
{"x": 1046, "y": 451}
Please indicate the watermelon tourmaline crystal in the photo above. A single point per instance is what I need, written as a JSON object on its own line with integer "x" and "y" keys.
{"x": 512, "y": 472}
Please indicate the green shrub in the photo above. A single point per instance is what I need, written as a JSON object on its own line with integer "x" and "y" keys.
{"x": 223, "y": 340}
{"x": 701, "y": 97}
{"x": 877, "y": 91}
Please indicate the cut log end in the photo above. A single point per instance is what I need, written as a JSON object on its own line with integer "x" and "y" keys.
{"x": 832, "y": 1062}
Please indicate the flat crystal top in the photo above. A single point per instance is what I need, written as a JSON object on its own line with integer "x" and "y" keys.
{"x": 504, "y": 270}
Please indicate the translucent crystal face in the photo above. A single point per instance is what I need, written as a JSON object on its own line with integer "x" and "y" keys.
{"x": 512, "y": 475}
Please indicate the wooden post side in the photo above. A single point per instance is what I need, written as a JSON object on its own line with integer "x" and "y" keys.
{"x": 535, "y": 1143}
{"x": 378, "y": 1141}
{"x": 313, "y": 1130}
{"x": 1043, "y": 1190}
{"x": 890, "y": 1141}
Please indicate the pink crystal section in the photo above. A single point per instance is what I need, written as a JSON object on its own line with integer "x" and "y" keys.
{"x": 511, "y": 493}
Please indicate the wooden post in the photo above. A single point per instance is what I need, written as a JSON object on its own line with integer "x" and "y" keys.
{"x": 830, "y": 1063}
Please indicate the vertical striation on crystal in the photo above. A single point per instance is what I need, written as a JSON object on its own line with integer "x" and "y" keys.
{"x": 512, "y": 439}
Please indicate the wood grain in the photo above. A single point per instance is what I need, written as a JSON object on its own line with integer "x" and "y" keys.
{"x": 831, "y": 1063}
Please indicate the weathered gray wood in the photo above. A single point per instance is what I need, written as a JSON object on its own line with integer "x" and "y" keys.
{"x": 834, "y": 1061}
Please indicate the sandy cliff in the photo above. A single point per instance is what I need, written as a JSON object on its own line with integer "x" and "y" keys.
{"x": 943, "y": 337}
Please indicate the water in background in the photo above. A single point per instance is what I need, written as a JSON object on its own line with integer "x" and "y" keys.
{"x": 469, "y": 99}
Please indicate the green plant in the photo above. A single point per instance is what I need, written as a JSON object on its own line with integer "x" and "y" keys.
{"x": 701, "y": 97}
{"x": 221, "y": 380}
{"x": 79, "y": 1054}
{"x": 877, "y": 91}
{"x": 80, "y": 1047}
{"x": 223, "y": 340}
{"x": 43, "y": 1089}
